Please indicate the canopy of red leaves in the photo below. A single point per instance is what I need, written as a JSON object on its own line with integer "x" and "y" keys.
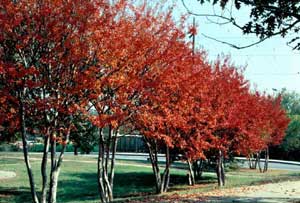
{"x": 127, "y": 65}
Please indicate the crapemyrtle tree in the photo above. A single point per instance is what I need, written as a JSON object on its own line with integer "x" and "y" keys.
{"x": 44, "y": 47}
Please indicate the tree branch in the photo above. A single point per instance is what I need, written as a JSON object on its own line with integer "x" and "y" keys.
{"x": 236, "y": 46}
{"x": 231, "y": 20}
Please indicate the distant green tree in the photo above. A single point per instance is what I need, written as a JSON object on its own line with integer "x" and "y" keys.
{"x": 84, "y": 137}
{"x": 290, "y": 147}
{"x": 291, "y": 143}
{"x": 291, "y": 102}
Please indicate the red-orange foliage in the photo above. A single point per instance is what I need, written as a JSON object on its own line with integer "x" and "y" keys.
{"x": 198, "y": 107}
{"x": 45, "y": 46}
{"x": 133, "y": 67}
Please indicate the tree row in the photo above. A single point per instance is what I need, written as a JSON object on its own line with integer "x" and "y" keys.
{"x": 125, "y": 68}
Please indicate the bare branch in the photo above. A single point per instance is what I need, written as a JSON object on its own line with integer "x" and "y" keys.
{"x": 236, "y": 46}
{"x": 218, "y": 23}
{"x": 230, "y": 19}
{"x": 252, "y": 44}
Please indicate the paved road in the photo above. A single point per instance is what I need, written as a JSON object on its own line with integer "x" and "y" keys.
{"x": 283, "y": 166}
{"x": 273, "y": 164}
{"x": 127, "y": 156}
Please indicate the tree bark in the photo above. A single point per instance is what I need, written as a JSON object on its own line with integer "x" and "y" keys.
{"x": 166, "y": 174}
{"x": 106, "y": 174}
{"x": 75, "y": 150}
{"x": 25, "y": 151}
{"x": 220, "y": 169}
{"x": 253, "y": 161}
{"x": 44, "y": 169}
{"x": 53, "y": 185}
{"x": 191, "y": 173}
{"x": 266, "y": 160}
{"x": 107, "y": 147}
{"x": 198, "y": 168}
{"x": 100, "y": 169}
{"x": 113, "y": 159}
{"x": 101, "y": 182}
{"x": 55, "y": 168}
{"x": 52, "y": 199}
{"x": 250, "y": 161}
{"x": 257, "y": 159}
{"x": 154, "y": 163}
{"x": 258, "y": 162}
{"x": 161, "y": 181}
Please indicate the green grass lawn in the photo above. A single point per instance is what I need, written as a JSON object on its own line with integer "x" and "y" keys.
{"x": 77, "y": 181}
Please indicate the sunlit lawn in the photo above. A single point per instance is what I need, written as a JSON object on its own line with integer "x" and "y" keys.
{"x": 77, "y": 182}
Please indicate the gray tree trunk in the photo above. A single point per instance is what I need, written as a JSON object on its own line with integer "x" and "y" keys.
{"x": 100, "y": 179}
{"x": 251, "y": 162}
{"x": 220, "y": 169}
{"x": 198, "y": 168}
{"x": 265, "y": 164}
{"x": 152, "y": 147}
{"x": 52, "y": 199}
{"x": 75, "y": 150}
{"x": 44, "y": 169}
{"x": 266, "y": 160}
{"x": 161, "y": 181}
{"x": 55, "y": 168}
{"x": 25, "y": 151}
{"x": 113, "y": 159}
{"x": 53, "y": 185}
{"x": 104, "y": 172}
{"x": 166, "y": 174}
{"x": 191, "y": 173}
{"x": 154, "y": 163}
{"x": 257, "y": 161}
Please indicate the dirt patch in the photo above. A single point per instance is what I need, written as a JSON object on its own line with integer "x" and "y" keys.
{"x": 7, "y": 174}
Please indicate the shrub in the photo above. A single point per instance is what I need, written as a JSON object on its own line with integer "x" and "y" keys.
{"x": 9, "y": 148}
{"x": 38, "y": 147}
{"x": 232, "y": 165}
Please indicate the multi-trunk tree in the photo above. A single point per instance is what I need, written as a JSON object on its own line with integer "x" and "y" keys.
{"x": 122, "y": 66}
{"x": 44, "y": 47}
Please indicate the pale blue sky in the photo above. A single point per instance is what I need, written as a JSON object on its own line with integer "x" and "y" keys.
{"x": 271, "y": 64}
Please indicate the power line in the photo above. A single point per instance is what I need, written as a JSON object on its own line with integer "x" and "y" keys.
{"x": 257, "y": 55}
{"x": 249, "y": 37}
{"x": 275, "y": 74}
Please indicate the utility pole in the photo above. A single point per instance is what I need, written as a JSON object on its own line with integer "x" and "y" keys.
{"x": 193, "y": 36}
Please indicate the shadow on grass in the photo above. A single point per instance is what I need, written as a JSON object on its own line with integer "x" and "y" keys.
{"x": 131, "y": 184}
{"x": 15, "y": 195}
{"x": 82, "y": 186}
{"x": 180, "y": 183}
{"x": 11, "y": 161}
